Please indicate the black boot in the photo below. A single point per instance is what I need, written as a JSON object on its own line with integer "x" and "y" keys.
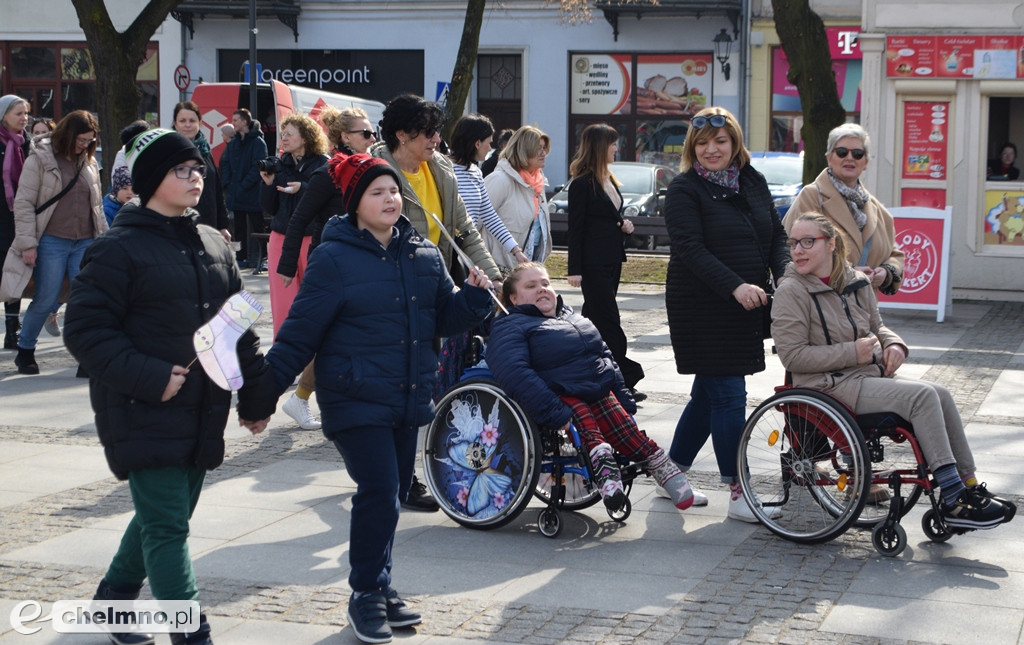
{"x": 199, "y": 637}
{"x": 11, "y": 338}
{"x": 107, "y": 592}
{"x": 26, "y": 361}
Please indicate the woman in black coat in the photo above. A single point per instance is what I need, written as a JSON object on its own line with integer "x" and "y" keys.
{"x": 213, "y": 210}
{"x": 727, "y": 243}
{"x": 597, "y": 231}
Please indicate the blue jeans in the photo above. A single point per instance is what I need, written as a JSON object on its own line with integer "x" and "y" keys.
{"x": 717, "y": 408}
{"x": 380, "y": 460}
{"x": 55, "y": 258}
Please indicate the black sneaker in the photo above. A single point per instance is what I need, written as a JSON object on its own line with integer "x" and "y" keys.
{"x": 973, "y": 511}
{"x": 420, "y": 499}
{"x": 368, "y": 615}
{"x": 982, "y": 490}
{"x": 637, "y": 396}
{"x": 399, "y": 614}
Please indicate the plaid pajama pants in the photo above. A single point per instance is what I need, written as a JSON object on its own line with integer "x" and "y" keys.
{"x": 605, "y": 420}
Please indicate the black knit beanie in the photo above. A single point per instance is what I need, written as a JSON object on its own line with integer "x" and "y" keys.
{"x": 152, "y": 154}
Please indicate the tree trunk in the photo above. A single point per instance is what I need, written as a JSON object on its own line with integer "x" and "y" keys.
{"x": 116, "y": 57}
{"x": 803, "y": 38}
{"x": 462, "y": 75}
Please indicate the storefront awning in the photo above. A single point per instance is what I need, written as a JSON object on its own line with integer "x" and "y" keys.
{"x": 613, "y": 9}
{"x": 287, "y": 11}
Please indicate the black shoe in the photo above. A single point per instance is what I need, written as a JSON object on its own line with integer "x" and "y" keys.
{"x": 368, "y": 616}
{"x": 973, "y": 511}
{"x": 26, "y": 361}
{"x": 637, "y": 396}
{"x": 399, "y": 614}
{"x": 199, "y": 637}
{"x": 108, "y": 592}
{"x": 981, "y": 490}
{"x": 11, "y": 336}
{"x": 420, "y": 499}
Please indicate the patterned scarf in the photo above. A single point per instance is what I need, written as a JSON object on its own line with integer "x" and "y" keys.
{"x": 14, "y": 161}
{"x": 856, "y": 198}
{"x": 201, "y": 143}
{"x": 728, "y": 177}
{"x": 534, "y": 180}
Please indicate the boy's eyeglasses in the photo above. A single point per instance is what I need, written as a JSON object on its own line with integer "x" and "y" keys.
{"x": 185, "y": 172}
{"x": 717, "y": 121}
{"x": 804, "y": 242}
{"x": 858, "y": 153}
{"x": 367, "y": 134}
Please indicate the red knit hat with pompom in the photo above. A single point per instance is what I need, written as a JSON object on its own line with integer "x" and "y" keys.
{"x": 352, "y": 175}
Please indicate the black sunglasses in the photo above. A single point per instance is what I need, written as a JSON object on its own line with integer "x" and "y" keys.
{"x": 858, "y": 153}
{"x": 717, "y": 121}
{"x": 367, "y": 134}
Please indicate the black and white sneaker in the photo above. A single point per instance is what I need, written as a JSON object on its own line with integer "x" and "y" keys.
{"x": 399, "y": 614}
{"x": 368, "y": 615}
{"x": 983, "y": 491}
{"x": 973, "y": 511}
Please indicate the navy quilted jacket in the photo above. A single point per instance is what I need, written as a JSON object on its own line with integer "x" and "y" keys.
{"x": 536, "y": 358}
{"x": 370, "y": 316}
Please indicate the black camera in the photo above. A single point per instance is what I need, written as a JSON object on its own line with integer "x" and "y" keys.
{"x": 270, "y": 165}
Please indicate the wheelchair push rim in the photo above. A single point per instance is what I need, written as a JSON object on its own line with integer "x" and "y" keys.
{"x": 481, "y": 455}
{"x": 803, "y": 466}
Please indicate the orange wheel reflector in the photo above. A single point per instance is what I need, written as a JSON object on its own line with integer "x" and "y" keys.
{"x": 841, "y": 484}
{"x": 773, "y": 438}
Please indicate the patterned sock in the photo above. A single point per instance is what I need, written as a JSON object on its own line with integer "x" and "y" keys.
{"x": 607, "y": 476}
{"x": 970, "y": 479}
{"x": 216, "y": 341}
{"x": 949, "y": 482}
{"x": 735, "y": 491}
{"x": 668, "y": 475}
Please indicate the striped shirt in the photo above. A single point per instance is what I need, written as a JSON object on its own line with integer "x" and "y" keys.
{"x": 478, "y": 204}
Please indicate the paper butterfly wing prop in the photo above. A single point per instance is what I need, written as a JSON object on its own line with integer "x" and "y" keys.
{"x": 216, "y": 341}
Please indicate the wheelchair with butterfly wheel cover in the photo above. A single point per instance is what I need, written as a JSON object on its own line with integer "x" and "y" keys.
{"x": 484, "y": 459}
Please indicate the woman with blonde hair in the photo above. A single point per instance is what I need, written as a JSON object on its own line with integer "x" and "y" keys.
{"x": 596, "y": 239}
{"x": 303, "y": 152}
{"x": 516, "y": 189}
{"x": 727, "y": 250}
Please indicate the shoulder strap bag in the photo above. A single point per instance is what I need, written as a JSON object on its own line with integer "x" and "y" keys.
{"x": 56, "y": 198}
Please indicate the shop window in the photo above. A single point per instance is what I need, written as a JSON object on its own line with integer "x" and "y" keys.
{"x": 786, "y": 110}
{"x": 500, "y": 89}
{"x": 1005, "y": 136}
{"x": 33, "y": 62}
{"x": 660, "y": 142}
{"x": 78, "y": 96}
{"x": 76, "y": 65}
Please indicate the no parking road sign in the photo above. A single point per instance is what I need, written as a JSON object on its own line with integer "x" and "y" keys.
{"x": 182, "y": 78}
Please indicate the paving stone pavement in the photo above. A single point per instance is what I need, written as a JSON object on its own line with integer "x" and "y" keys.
{"x": 749, "y": 586}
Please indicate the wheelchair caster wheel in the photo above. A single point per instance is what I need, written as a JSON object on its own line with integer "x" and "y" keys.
{"x": 623, "y": 512}
{"x": 935, "y": 531}
{"x": 889, "y": 540}
{"x": 549, "y": 522}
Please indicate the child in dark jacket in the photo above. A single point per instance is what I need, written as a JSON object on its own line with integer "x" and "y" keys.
{"x": 554, "y": 363}
{"x": 119, "y": 195}
{"x": 374, "y": 296}
{"x": 145, "y": 287}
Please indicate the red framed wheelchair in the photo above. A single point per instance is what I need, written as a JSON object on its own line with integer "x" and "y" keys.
{"x": 807, "y": 455}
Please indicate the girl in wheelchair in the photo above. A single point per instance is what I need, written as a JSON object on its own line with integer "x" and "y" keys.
{"x": 554, "y": 363}
{"x": 830, "y": 336}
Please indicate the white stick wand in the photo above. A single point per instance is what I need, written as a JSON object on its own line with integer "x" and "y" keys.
{"x": 466, "y": 261}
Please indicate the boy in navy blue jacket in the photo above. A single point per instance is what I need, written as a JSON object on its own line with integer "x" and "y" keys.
{"x": 374, "y": 296}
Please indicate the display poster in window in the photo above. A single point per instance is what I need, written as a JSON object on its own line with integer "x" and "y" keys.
{"x": 1004, "y": 217}
{"x": 925, "y": 139}
{"x": 786, "y": 98}
{"x": 600, "y": 84}
{"x": 965, "y": 56}
{"x": 673, "y": 85}
{"x": 923, "y": 236}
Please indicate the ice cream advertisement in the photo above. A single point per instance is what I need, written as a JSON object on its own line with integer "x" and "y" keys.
{"x": 909, "y": 56}
{"x": 925, "y": 139}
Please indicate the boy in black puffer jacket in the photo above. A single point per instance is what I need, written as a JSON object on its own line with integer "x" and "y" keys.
{"x": 144, "y": 289}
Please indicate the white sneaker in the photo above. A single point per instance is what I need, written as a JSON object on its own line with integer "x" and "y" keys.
{"x": 298, "y": 409}
{"x": 739, "y": 510}
{"x": 699, "y": 498}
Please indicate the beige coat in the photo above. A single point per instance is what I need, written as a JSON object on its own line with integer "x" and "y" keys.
{"x": 41, "y": 180}
{"x": 512, "y": 197}
{"x": 454, "y": 216}
{"x": 822, "y": 197}
{"x": 815, "y": 337}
